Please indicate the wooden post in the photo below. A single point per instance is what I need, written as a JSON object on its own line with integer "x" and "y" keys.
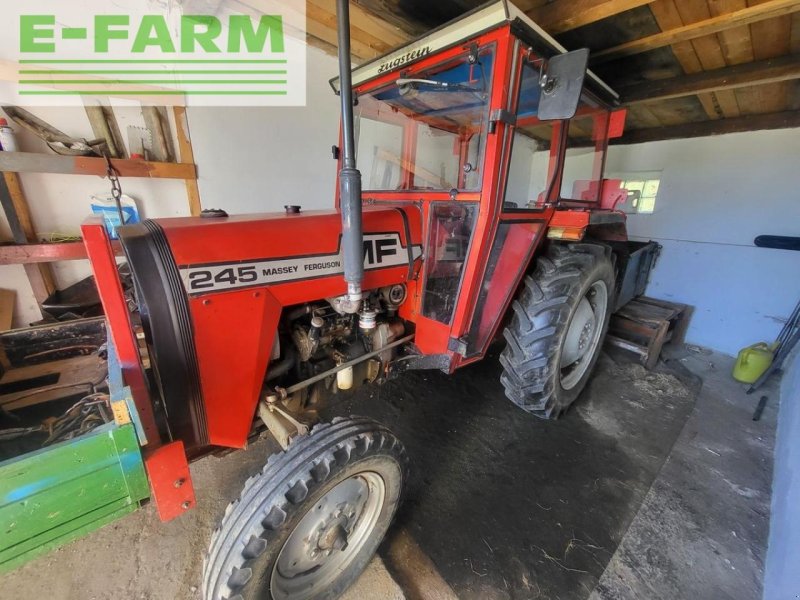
{"x": 187, "y": 156}
{"x": 19, "y": 218}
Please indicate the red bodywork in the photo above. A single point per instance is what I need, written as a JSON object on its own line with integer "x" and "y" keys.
{"x": 234, "y": 330}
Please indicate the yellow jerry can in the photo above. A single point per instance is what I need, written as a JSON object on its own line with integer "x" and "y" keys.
{"x": 752, "y": 362}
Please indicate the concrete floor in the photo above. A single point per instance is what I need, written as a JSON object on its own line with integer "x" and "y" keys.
{"x": 702, "y": 529}
{"x": 653, "y": 486}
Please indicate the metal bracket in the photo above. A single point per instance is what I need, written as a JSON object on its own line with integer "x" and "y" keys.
{"x": 501, "y": 115}
{"x": 170, "y": 480}
{"x": 458, "y": 345}
{"x": 280, "y": 423}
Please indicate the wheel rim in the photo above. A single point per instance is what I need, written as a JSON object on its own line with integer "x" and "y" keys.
{"x": 583, "y": 335}
{"x": 329, "y": 537}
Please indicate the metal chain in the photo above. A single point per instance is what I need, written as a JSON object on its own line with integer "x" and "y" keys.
{"x": 116, "y": 188}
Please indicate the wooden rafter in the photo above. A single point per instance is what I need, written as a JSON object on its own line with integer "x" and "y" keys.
{"x": 563, "y": 15}
{"x": 667, "y": 17}
{"x": 761, "y": 72}
{"x": 779, "y": 120}
{"x": 745, "y": 16}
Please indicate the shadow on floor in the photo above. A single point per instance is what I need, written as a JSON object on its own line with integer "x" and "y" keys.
{"x": 508, "y": 506}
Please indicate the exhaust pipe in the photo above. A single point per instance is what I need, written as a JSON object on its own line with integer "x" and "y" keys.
{"x": 349, "y": 175}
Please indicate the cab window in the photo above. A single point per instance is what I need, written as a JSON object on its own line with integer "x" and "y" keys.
{"x": 586, "y": 147}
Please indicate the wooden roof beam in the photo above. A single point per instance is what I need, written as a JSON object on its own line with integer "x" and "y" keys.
{"x": 563, "y": 15}
{"x": 737, "y": 18}
{"x": 761, "y": 72}
{"x": 779, "y": 120}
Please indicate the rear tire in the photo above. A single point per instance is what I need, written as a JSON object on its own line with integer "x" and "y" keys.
{"x": 556, "y": 332}
{"x": 308, "y": 524}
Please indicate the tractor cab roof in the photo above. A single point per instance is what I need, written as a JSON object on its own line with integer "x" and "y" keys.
{"x": 480, "y": 20}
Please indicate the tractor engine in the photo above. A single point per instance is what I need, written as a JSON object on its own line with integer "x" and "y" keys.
{"x": 325, "y": 337}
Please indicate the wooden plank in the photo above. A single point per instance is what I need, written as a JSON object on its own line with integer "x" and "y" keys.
{"x": 563, "y": 15}
{"x": 159, "y": 130}
{"x": 794, "y": 40}
{"x": 647, "y": 313}
{"x": 709, "y": 52}
{"x": 61, "y": 492}
{"x": 104, "y": 126}
{"x": 7, "y": 300}
{"x": 16, "y": 209}
{"x": 780, "y": 120}
{"x": 655, "y": 346}
{"x": 30, "y": 162}
{"x": 54, "y": 341}
{"x": 752, "y": 14}
{"x": 667, "y": 16}
{"x": 770, "y": 39}
{"x": 18, "y": 215}
{"x": 737, "y": 47}
{"x": 727, "y": 78}
{"x": 187, "y": 156}
{"x": 21, "y": 254}
{"x": 327, "y": 33}
{"x": 75, "y": 375}
{"x": 394, "y": 13}
{"x": 325, "y": 14}
{"x": 626, "y": 345}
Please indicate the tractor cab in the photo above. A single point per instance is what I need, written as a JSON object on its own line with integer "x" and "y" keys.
{"x": 498, "y": 136}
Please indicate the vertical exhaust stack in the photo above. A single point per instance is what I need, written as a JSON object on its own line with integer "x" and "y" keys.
{"x": 349, "y": 175}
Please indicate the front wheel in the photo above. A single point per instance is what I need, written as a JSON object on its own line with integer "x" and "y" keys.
{"x": 559, "y": 322}
{"x": 309, "y": 523}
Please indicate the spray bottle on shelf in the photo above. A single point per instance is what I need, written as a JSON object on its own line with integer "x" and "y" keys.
{"x": 8, "y": 142}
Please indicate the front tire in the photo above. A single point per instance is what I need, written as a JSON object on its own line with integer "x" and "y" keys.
{"x": 560, "y": 319}
{"x": 308, "y": 524}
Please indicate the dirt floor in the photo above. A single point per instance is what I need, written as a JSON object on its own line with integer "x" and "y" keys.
{"x": 500, "y": 504}
{"x": 508, "y": 506}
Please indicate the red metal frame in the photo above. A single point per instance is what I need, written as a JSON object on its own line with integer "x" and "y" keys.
{"x": 120, "y": 328}
{"x": 433, "y": 337}
{"x": 170, "y": 480}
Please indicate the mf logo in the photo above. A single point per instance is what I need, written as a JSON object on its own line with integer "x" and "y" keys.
{"x": 377, "y": 250}
{"x": 126, "y": 50}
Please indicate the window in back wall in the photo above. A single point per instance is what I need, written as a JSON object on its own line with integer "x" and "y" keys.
{"x": 643, "y": 188}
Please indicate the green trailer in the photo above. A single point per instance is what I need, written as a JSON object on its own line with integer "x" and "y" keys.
{"x": 58, "y": 493}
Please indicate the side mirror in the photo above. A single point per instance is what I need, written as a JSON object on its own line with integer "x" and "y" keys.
{"x": 562, "y": 85}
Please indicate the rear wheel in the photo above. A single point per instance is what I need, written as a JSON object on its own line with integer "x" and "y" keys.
{"x": 308, "y": 524}
{"x": 559, "y": 322}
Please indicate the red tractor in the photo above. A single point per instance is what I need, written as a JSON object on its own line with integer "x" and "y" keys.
{"x": 480, "y": 209}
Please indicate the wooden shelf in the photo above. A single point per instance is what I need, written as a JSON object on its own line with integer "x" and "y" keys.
{"x": 31, "y": 162}
{"x": 21, "y": 254}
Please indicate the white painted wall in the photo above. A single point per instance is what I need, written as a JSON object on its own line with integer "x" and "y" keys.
{"x": 260, "y": 159}
{"x": 781, "y": 576}
{"x": 716, "y": 195}
{"x": 249, "y": 160}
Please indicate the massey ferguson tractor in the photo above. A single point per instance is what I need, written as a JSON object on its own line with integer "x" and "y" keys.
{"x": 478, "y": 211}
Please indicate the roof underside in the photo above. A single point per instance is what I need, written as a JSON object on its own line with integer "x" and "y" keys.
{"x": 683, "y": 67}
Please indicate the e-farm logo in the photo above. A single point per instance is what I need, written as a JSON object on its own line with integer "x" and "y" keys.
{"x": 163, "y": 57}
